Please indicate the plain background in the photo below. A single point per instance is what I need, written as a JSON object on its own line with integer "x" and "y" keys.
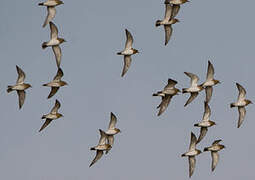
{"x": 149, "y": 147}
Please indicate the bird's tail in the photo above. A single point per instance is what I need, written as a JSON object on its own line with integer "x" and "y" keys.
{"x": 184, "y": 90}
{"x": 9, "y": 89}
{"x": 119, "y": 53}
{"x": 205, "y": 149}
{"x": 43, "y": 117}
{"x": 44, "y": 45}
{"x": 40, "y": 4}
{"x": 196, "y": 125}
{"x": 232, "y": 105}
{"x": 183, "y": 155}
{"x": 92, "y": 149}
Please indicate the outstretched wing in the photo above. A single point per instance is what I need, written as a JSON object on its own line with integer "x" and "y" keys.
{"x": 98, "y": 156}
{"x": 21, "y": 75}
{"x": 129, "y": 40}
{"x": 113, "y": 121}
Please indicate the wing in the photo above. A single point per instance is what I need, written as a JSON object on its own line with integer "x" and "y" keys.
{"x": 46, "y": 123}
{"x": 51, "y": 14}
{"x": 203, "y": 132}
{"x": 164, "y": 104}
{"x": 103, "y": 138}
{"x": 175, "y": 10}
{"x": 113, "y": 121}
{"x": 193, "y": 141}
{"x": 168, "y": 12}
{"x": 59, "y": 75}
{"x": 168, "y": 33}
{"x": 22, "y": 96}
{"x": 210, "y": 71}
{"x": 171, "y": 83}
{"x": 208, "y": 91}
{"x": 58, "y": 54}
{"x": 242, "y": 92}
{"x": 127, "y": 63}
{"x": 207, "y": 112}
{"x": 129, "y": 40}
{"x": 191, "y": 98}
{"x": 192, "y": 164}
{"x": 216, "y": 142}
{"x": 98, "y": 156}
{"x": 215, "y": 159}
{"x": 56, "y": 107}
{"x": 110, "y": 141}
{"x": 21, "y": 75}
{"x": 53, "y": 91}
{"x": 193, "y": 78}
{"x": 54, "y": 31}
{"x": 242, "y": 113}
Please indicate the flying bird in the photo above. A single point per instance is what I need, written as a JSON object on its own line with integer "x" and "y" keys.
{"x": 20, "y": 86}
{"x": 205, "y": 123}
{"x": 54, "y": 42}
{"x": 112, "y": 130}
{"x": 127, "y": 52}
{"x": 214, "y": 152}
{"x": 50, "y": 4}
{"x": 194, "y": 88}
{"x": 101, "y": 147}
{"x": 56, "y": 83}
{"x": 52, "y": 115}
{"x": 168, "y": 21}
{"x": 168, "y": 92}
{"x": 192, "y": 153}
{"x": 241, "y": 103}
{"x": 210, "y": 82}
{"x": 176, "y": 5}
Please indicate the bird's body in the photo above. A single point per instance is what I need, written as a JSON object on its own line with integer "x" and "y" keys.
{"x": 176, "y": 2}
{"x": 20, "y": 86}
{"x": 53, "y": 115}
{"x": 50, "y": 4}
{"x": 101, "y": 147}
{"x": 205, "y": 123}
{"x": 210, "y": 82}
{"x": 166, "y": 94}
{"x": 54, "y": 42}
{"x": 214, "y": 148}
{"x": 241, "y": 103}
{"x": 127, "y": 52}
{"x": 168, "y": 21}
{"x": 191, "y": 154}
{"x": 56, "y": 83}
{"x": 194, "y": 88}
{"x": 112, "y": 130}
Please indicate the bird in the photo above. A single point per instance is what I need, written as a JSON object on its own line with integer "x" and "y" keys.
{"x": 210, "y": 82}
{"x": 194, "y": 88}
{"x": 54, "y": 42}
{"x": 101, "y": 147}
{"x": 50, "y": 4}
{"x": 52, "y": 115}
{"x": 241, "y": 103}
{"x": 127, "y": 52}
{"x": 56, "y": 83}
{"x": 176, "y": 4}
{"x": 214, "y": 152}
{"x": 166, "y": 95}
{"x": 192, "y": 153}
{"x": 167, "y": 22}
{"x": 205, "y": 123}
{"x": 112, "y": 130}
{"x": 20, "y": 86}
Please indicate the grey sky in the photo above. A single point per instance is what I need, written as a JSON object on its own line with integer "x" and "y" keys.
{"x": 148, "y": 147}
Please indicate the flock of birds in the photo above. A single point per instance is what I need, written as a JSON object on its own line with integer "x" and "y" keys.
{"x": 106, "y": 141}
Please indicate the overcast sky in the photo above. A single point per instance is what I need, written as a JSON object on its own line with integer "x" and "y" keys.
{"x": 149, "y": 147}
